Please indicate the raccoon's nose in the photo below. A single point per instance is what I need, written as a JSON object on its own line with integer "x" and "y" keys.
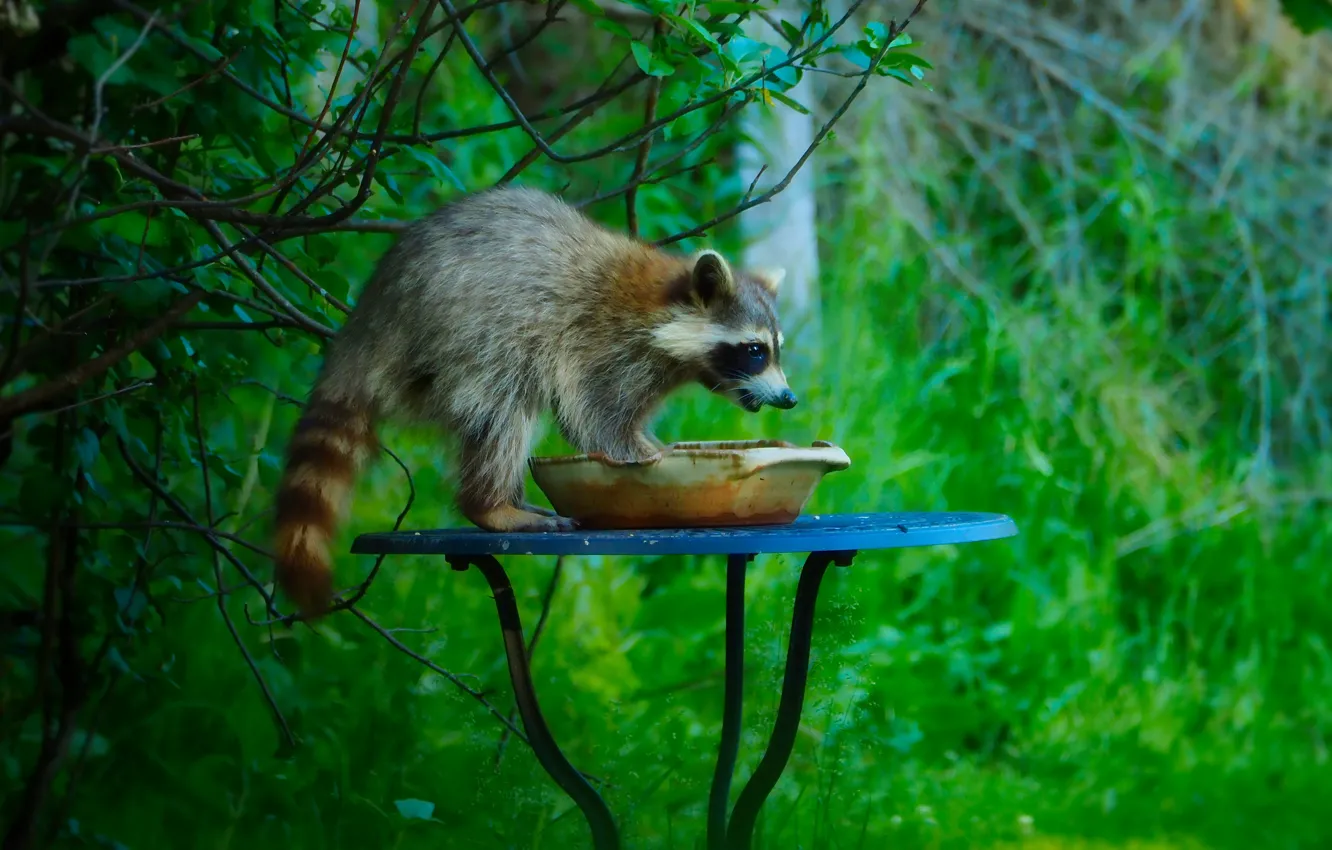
{"x": 785, "y": 399}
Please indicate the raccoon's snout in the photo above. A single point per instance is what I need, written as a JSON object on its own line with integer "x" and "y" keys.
{"x": 786, "y": 399}
{"x": 752, "y": 398}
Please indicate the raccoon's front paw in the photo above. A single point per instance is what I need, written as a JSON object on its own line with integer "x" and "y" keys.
{"x": 642, "y": 456}
{"x": 655, "y": 456}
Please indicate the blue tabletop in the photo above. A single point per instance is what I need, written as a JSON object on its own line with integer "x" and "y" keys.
{"x": 827, "y": 533}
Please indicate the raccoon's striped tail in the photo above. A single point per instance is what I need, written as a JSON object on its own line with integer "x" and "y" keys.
{"x": 332, "y": 441}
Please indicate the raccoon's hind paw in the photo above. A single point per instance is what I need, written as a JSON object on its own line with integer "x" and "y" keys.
{"x": 537, "y": 509}
{"x": 507, "y": 518}
{"x": 548, "y": 522}
{"x": 564, "y": 523}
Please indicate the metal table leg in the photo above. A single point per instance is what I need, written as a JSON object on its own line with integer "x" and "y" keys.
{"x": 604, "y": 834}
{"x": 740, "y": 832}
{"x": 732, "y": 700}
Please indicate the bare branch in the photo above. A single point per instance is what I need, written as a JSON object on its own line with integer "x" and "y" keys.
{"x": 292, "y": 312}
{"x": 30, "y": 400}
{"x": 151, "y": 523}
{"x": 21, "y": 305}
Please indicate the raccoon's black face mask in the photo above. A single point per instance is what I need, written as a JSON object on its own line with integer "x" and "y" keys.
{"x": 750, "y": 375}
{"x": 729, "y": 332}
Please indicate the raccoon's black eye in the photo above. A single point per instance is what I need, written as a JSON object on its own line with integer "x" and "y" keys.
{"x": 758, "y": 354}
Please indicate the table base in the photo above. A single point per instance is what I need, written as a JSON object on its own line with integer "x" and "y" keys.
{"x": 737, "y": 834}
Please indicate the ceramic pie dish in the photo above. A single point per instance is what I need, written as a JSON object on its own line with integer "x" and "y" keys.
{"x": 692, "y": 485}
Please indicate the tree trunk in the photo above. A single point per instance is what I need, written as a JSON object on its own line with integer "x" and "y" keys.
{"x": 782, "y": 232}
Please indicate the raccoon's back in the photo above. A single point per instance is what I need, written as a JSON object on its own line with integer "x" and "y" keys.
{"x": 491, "y": 289}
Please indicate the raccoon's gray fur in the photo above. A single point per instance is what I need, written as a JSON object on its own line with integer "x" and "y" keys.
{"x": 496, "y": 308}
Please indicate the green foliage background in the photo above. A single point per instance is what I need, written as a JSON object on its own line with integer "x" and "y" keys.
{"x": 1062, "y": 324}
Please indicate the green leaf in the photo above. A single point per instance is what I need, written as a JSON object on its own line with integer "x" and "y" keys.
{"x": 386, "y": 181}
{"x": 613, "y": 27}
{"x": 725, "y": 28}
{"x": 130, "y": 602}
{"x": 415, "y": 809}
{"x": 86, "y": 447}
{"x": 650, "y": 63}
{"x": 591, "y": 7}
{"x": 1308, "y": 16}
{"x": 115, "y": 417}
{"x": 697, "y": 29}
{"x": 117, "y": 661}
{"x": 898, "y": 59}
{"x": 432, "y": 163}
{"x": 38, "y": 493}
{"x": 205, "y": 47}
{"x": 742, "y": 49}
{"x": 794, "y": 36}
{"x": 789, "y": 101}
{"x": 790, "y": 75}
{"x": 729, "y": 7}
{"x": 856, "y": 54}
{"x": 11, "y": 233}
{"x": 895, "y": 74}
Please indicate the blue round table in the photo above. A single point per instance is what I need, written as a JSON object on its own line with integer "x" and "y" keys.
{"x": 828, "y": 540}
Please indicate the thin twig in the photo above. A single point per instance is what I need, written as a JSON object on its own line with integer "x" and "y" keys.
{"x": 425, "y": 83}
{"x": 213, "y": 536}
{"x": 894, "y": 30}
{"x": 30, "y": 400}
{"x": 632, "y": 139}
{"x": 142, "y": 145}
{"x": 204, "y": 77}
{"x": 364, "y": 586}
{"x": 137, "y": 385}
{"x": 645, "y": 148}
{"x": 432, "y": 666}
{"x": 337, "y": 76}
{"x": 217, "y": 577}
{"x": 360, "y": 590}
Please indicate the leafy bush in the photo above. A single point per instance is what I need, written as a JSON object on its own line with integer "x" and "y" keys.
{"x": 191, "y": 195}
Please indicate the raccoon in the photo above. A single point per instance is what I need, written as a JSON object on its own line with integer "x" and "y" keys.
{"x": 496, "y": 308}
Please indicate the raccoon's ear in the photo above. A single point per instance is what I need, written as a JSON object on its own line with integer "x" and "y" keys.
{"x": 771, "y": 279}
{"x": 712, "y": 277}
